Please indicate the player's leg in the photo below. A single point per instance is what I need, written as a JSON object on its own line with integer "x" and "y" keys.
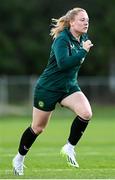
{"x": 79, "y": 104}
{"x": 44, "y": 104}
{"x": 40, "y": 120}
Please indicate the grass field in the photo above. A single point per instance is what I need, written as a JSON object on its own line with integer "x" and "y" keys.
{"x": 95, "y": 151}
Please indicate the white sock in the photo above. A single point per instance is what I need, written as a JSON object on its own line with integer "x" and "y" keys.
{"x": 70, "y": 146}
{"x": 19, "y": 157}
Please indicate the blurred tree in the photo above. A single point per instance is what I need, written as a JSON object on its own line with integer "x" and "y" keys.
{"x": 25, "y": 41}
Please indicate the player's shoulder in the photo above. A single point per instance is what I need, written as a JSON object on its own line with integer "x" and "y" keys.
{"x": 61, "y": 38}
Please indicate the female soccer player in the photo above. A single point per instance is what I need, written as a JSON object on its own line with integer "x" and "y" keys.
{"x": 58, "y": 84}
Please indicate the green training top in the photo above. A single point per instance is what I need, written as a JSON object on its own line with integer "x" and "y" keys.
{"x": 66, "y": 57}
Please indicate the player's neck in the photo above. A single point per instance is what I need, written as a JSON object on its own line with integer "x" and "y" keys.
{"x": 75, "y": 34}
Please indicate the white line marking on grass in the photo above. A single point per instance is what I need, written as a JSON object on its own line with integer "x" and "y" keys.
{"x": 84, "y": 154}
{"x": 49, "y": 169}
{"x": 71, "y": 169}
{"x": 57, "y": 154}
{"x": 7, "y": 155}
{"x": 62, "y": 169}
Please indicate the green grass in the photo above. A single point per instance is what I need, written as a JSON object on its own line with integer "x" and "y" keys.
{"x": 95, "y": 151}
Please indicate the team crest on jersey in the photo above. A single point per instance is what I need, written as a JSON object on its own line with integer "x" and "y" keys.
{"x": 41, "y": 104}
{"x": 72, "y": 46}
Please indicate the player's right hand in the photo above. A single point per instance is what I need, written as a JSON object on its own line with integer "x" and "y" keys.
{"x": 87, "y": 45}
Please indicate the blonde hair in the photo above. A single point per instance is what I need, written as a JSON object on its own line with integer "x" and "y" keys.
{"x": 64, "y": 21}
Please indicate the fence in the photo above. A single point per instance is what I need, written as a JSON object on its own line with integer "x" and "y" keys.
{"x": 16, "y": 92}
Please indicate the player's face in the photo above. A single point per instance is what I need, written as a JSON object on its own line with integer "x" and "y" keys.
{"x": 80, "y": 23}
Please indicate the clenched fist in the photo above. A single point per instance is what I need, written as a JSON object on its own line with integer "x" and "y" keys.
{"x": 87, "y": 45}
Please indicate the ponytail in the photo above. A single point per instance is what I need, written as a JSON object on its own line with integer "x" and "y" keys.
{"x": 59, "y": 25}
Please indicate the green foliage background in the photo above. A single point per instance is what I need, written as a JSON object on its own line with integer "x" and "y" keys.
{"x": 25, "y": 41}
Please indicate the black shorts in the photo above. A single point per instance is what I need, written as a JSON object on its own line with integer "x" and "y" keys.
{"x": 46, "y": 100}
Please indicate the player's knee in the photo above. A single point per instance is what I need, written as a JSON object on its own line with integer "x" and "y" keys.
{"x": 87, "y": 115}
{"x": 37, "y": 129}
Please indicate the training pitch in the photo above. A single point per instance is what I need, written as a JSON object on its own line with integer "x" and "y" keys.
{"x": 95, "y": 151}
